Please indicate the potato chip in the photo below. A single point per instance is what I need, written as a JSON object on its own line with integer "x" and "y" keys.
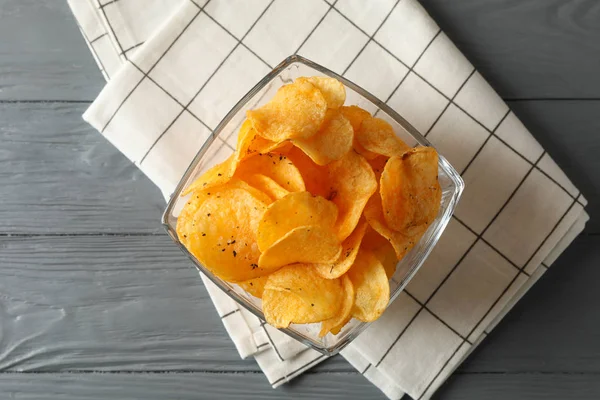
{"x": 382, "y": 249}
{"x": 352, "y": 182}
{"x": 267, "y": 185}
{"x": 371, "y": 287}
{"x": 374, "y": 215}
{"x": 356, "y": 116}
{"x": 224, "y": 237}
{"x": 297, "y": 294}
{"x": 305, "y": 244}
{"x": 296, "y": 111}
{"x": 410, "y": 191}
{"x": 294, "y": 210}
{"x": 377, "y": 136}
{"x": 332, "y": 89}
{"x": 215, "y": 176}
{"x": 275, "y": 166}
{"x": 255, "y": 286}
{"x": 344, "y": 314}
{"x": 332, "y": 142}
{"x": 350, "y": 248}
{"x": 315, "y": 177}
{"x": 189, "y": 214}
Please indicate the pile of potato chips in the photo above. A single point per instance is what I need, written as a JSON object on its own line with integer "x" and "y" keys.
{"x": 314, "y": 209}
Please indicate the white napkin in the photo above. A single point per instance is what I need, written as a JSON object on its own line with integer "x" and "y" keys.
{"x": 176, "y": 68}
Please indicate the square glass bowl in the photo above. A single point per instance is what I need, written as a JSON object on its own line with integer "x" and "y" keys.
{"x": 222, "y": 144}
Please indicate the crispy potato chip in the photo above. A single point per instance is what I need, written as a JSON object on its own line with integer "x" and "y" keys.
{"x": 344, "y": 314}
{"x": 297, "y": 294}
{"x": 255, "y": 286}
{"x": 332, "y": 142}
{"x": 215, "y": 176}
{"x": 332, "y": 89}
{"x": 377, "y": 136}
{"x": 275, "y": 166}
{"x": 410, "y": 191}
{"x": 370, "y": 285}
{"x": 224, "y": 236}
{"x": 294, "y": 210}
{"x": 350, "y": 248}
{"x": 378, "y": 164}
{"x": 374, "y": 215}
{"x": 352, "y": 182}
{"x": 304, "y": 244}
{"x": 356, "y": 116}
{"x": 267, "y": 186}
{"x": 315, "y": 177}
{"x": 189, "y": 214}
{"x": 296, "y": 111}
{"x": 382, "y": 249}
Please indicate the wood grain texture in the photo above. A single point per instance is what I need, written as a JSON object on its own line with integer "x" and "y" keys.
{"x": 58, "y": 175}
{"x": 108, "y": 303}
{"x": 528, "y": 48}
{"x": 184, "y": 386}
{"x": 42, "y": 53}
{"x": 249, "y": 386}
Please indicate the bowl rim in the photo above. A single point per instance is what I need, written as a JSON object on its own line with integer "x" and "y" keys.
{"x": 287, "y": 62}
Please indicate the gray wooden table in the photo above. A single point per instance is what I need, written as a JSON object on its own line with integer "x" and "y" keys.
{"x": 95, "y": 302}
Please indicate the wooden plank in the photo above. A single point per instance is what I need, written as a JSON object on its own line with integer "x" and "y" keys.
{"x": 521, "y": 387}
{"x": 112, "y": 303}
{"x": 184, "y": 386}
{"x": 58, "y": 175}
{"x": 107, "y": 303}
{"x": 528, "y": 48}
{"x": 570, "y": 133}
{"x": 42, "y": 53}
{"x": 555, "y": 327}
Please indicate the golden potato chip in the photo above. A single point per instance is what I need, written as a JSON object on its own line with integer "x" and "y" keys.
{"x": 400, "y": 242}
{"x": 315, "y": 177}
{"x": 382, "y": 249}
{"x": 189, "y": 214}
{"x": 267, "y": 186}
{"x": 410, "y": 191}
{"x": 296, "y": 111}
{"x": 352, "y": 182}
{"x": 215, "y": 176}
{"x": 350, "y": 248}
{"x": 355, "y": 115}
{"x": 377, "y": 136}
{"x": 294, "y": 210}
{"x": 297, "y": 294}
{"x": 275, "y": 166}
{"x": 371, "y": 287}
{"x": 224, "y": 237}
{"x": 304, "y": 244}
{"x": 255, "y": 286}
{"x": 344, "y": 314}
{"x": 332, "y": 89}
{"x": 332, "y": 142}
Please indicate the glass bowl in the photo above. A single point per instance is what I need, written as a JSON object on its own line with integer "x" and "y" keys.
{"x": 222, "y": 144}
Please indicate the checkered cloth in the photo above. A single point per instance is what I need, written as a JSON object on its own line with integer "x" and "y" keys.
{"x": 175, "y": 68}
